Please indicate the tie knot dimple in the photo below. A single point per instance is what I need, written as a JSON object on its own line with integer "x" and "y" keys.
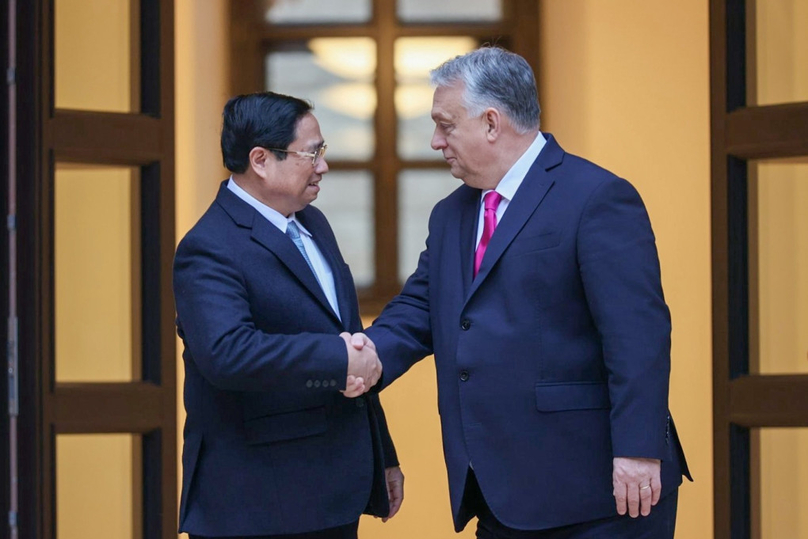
{"x": 492, "y": 200}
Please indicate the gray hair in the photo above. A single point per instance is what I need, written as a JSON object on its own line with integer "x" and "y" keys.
{"x": 495, "y": 78}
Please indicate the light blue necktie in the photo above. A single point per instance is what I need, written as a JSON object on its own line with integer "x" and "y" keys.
{"x": 293, "y": 232}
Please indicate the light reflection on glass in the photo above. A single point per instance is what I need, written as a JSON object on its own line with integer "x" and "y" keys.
{"x": 336, "y": 74}
{"x": 449, "y": 10}
{"x": 346, "y": 199}
{"x": 418, "y": 192}
{"x": 415, "y": 57}
{"x": 324, "y": 11}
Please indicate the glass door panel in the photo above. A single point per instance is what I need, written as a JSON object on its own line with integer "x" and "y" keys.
{"x": 346, "y": 199}
{"x": 778, "y": 70}
{"x": 98, "y": 486}
{"x": 449, "y": 10}
{"x": 97, "y": 273}
{"x": 336, "y": 75}
{"x": 418, "y": 192}
{"x": 778, "y": 266}
{"x": 415, "y": 57}
{"x": 97, "y": 55}
{"x": 781, "y": 455}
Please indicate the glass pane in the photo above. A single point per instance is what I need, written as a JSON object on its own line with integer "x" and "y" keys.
{"x": 96, "y": 55}
{"x": 450, "y": 10}
{"x": 418, "y": 192}
{"x": 346, "y": 199}
{"x": 320, "y": 11}
{"x": 781, "y": 479}
{"x": 414, "y": 58}
{"x": 778, "y": 273}
{"x": 337, "y": 75}
{"x": 97, "y": 273}
{"x": 98, "y": 485}
{"x": 780, "y": 53}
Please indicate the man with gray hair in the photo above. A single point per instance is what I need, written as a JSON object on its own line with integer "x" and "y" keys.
{"x": 539, "y": 295}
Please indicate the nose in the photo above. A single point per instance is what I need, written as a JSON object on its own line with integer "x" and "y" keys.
{"x": 322, "y": 166}
{"x": 438, "y": 141}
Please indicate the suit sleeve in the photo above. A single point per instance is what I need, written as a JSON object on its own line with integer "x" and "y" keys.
{"x": 620, "y": 271}
{"x": 215, "y": 322}
{"x": 403, "y": 332}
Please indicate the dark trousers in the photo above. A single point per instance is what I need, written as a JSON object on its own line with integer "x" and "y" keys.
{"x": 347, "y": 531}
{"x": 658, "y": 525}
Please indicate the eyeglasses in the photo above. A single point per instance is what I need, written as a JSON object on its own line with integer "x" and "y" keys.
{"x": 315, "y": 156}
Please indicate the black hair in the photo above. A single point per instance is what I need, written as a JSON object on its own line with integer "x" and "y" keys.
{"x": 264, "y": 119}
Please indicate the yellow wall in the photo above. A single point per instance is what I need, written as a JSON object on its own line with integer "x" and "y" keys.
{"x": 625, "y": 83}
{"x": 201, "y": 90}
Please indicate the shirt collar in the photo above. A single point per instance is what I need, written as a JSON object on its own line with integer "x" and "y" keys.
{"x": 271, "y": 215}
{"x": 300, "y": 226}
{"x": 513, "y": 178}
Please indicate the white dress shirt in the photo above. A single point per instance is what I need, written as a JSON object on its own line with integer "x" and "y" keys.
{"x": 321, "y": 268}
{"x": 510, "y": 182}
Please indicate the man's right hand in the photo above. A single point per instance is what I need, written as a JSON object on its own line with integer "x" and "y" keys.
{"x": 364, "y": 367}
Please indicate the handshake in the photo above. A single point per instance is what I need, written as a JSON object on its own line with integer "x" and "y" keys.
{"x": 364, "y": 367}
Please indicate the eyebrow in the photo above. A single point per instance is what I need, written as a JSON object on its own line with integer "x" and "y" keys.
{"x": 316, "y": 145}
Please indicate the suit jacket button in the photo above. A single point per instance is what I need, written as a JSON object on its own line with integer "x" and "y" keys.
{"x": 360, "y": 402}
{"x": 333, "y": 383}
{"x": 309, "y": 383}
{"x": 464, "y": 376}
{"x": 465, "y": 324}
{"x": 317, "y": 383}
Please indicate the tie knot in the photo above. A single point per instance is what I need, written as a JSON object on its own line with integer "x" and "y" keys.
{"x": 292, "y": 231}
{"x": 492, "y": 200}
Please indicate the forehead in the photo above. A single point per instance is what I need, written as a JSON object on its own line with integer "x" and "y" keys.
{"x": 447, "y": 102}
{"x": 308, "y": 130}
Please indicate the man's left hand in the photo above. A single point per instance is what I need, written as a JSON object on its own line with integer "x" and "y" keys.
{"x": 395, "y": 490}
{"x": 637, "y": 485}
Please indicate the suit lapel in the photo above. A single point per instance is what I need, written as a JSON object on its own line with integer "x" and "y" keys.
{"x": 268, "y": 235}
{"x": 330, "y": 250}
{"x": 527, "y": 198}
{"x": 469, "y": 214}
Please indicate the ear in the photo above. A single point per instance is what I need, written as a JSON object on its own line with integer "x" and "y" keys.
{"x": 493, "y": 123}
{"x": 261, "y": 161}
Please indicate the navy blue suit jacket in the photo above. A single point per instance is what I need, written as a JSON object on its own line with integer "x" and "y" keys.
{"x": 556, "y": 357}
{"x": 271, "y": 445}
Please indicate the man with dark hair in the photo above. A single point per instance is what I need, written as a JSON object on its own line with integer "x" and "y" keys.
{"x": 539, "y": 294}
{"x": 274, "y": 447}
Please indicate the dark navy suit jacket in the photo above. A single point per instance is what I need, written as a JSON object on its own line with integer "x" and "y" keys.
{"x": 271, "y": 445}
{"x": 556, "y": 357}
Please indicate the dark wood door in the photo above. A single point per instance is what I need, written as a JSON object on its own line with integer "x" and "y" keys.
{"x": 759, "y": 128}
{"x": 95, "y": 230}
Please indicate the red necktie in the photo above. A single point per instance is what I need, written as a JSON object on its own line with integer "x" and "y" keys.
{"x": 491, "y": 201}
